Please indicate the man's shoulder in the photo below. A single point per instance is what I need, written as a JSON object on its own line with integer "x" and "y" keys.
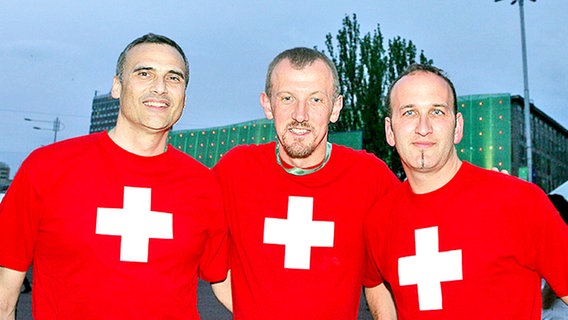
{"x": 79, "y": 140}
{"x": 66, "y": 148}
{"x": 489, "y": 179}
{"x": 247, "y": 148}
{"x": 353, "y": 153}
{"x": 182, "y": 164}
{"x": 248, "y": 151}
{"x": 183, "y": 157}
{"x": 359, "y": 157}
{"x": 490, "y": 175}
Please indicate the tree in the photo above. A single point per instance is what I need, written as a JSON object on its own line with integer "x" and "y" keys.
{"x": 365, "y": 71}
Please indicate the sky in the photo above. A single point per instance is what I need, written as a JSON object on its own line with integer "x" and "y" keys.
{"x": 56, "y": 54}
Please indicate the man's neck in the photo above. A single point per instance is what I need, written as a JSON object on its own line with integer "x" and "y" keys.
{"x": 142, "y": 144}
{"x": 302, "y": 166}
{"x": 427, "y": 181}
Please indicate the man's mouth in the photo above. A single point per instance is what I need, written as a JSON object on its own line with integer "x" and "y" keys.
{"x": 299, "y": 131}
{"x": 423, "y": 144}
{"x": 156, "y": 104}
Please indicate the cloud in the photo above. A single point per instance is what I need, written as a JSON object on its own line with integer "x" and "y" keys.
{"x": 38, "y": 50}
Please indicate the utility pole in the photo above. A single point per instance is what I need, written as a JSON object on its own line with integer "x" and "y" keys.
{"x": 57, "y": 126}
{"x": 527, "y": 102}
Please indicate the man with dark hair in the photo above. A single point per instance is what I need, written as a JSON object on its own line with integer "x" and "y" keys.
{"x": 148, "y": 39}
{"x": 295, "y": 207}
{"x": 455, "y": 241}
{"x": 118, "y": 224}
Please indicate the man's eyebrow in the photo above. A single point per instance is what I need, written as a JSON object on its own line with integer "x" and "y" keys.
{"x": 142, "y": 68}
{"x": 406, "y": 106}
{"x": 178, "y": 73}
{"x": 436, "y": 105}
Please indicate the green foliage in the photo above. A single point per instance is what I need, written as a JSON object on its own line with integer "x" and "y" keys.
{"x": 366, "y": 68}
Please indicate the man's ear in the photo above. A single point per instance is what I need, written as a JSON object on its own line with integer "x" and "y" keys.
{"x": 388, "y": 132}
{"x": 336, "y": 109}
{"x": 458, "y": 132}
{"x": 266, "y": 106}
{"x": 116, "y": 88}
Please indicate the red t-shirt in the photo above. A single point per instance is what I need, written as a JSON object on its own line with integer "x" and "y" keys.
{"x": 113, "y": 235}
{"x": 474, "y": 249}
{"x": 297, "y": 241}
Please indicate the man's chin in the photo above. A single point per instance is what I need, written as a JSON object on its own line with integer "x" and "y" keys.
{"x": 298, "y": 153}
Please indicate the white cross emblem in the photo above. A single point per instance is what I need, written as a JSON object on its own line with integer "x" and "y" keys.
{"x": 299, "y": 233}
{"x": 135, "y": 223}
{"x": 429, "y": 268}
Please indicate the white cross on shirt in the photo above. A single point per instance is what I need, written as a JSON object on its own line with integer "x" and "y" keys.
{"x": 299, "y": 233}
{"x": 135, "y": 223}
{"x": 429, "y": 268}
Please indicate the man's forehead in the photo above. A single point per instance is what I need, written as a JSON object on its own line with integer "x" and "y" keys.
{"x": 287, "y": 64}
{"x": 422, "y": 82}
{"x": 153, "y": 54}
{"x": 311, "y": 73}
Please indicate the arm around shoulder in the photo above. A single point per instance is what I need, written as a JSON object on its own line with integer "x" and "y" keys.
{"x": 10, "y": 285}
{"x": 380, "y": 303}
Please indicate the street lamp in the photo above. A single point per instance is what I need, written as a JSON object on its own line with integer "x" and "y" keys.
{"x": 527, "y": 110}
{"x": 57, "y": 126}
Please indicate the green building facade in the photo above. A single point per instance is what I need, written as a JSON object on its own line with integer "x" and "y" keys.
{"x": 494, "y": 136}
{"x": 487, "y": 130}
{"x": 210, "y": 144}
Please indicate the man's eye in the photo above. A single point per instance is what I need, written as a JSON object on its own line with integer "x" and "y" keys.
{"x": 438, "y": 112}
{"x": 143, "y": 73}
{"x": 175, "y": 78}
{"x": 408, "y": 113}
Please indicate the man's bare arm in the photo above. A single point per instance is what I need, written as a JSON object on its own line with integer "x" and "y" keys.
{"x": 10, "y": 285}
{"x": 222, "y": 291}
{"x": 380, "y": 303}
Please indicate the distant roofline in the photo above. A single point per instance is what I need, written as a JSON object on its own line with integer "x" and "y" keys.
{"x": 249, "y": 122}
{"x": 519, "y": 99}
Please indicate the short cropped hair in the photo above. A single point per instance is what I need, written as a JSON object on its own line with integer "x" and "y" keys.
{"x": 301, "y": 57}
{"x": 414, "y": 68}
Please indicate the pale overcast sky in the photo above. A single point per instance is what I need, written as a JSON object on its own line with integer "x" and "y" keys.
{"x": 56, "y": 54}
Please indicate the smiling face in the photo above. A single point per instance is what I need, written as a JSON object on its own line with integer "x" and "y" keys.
{"x": 423, "y": 125}
{"x": 152, "y": 91}
{"x": 302, "y": 104}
